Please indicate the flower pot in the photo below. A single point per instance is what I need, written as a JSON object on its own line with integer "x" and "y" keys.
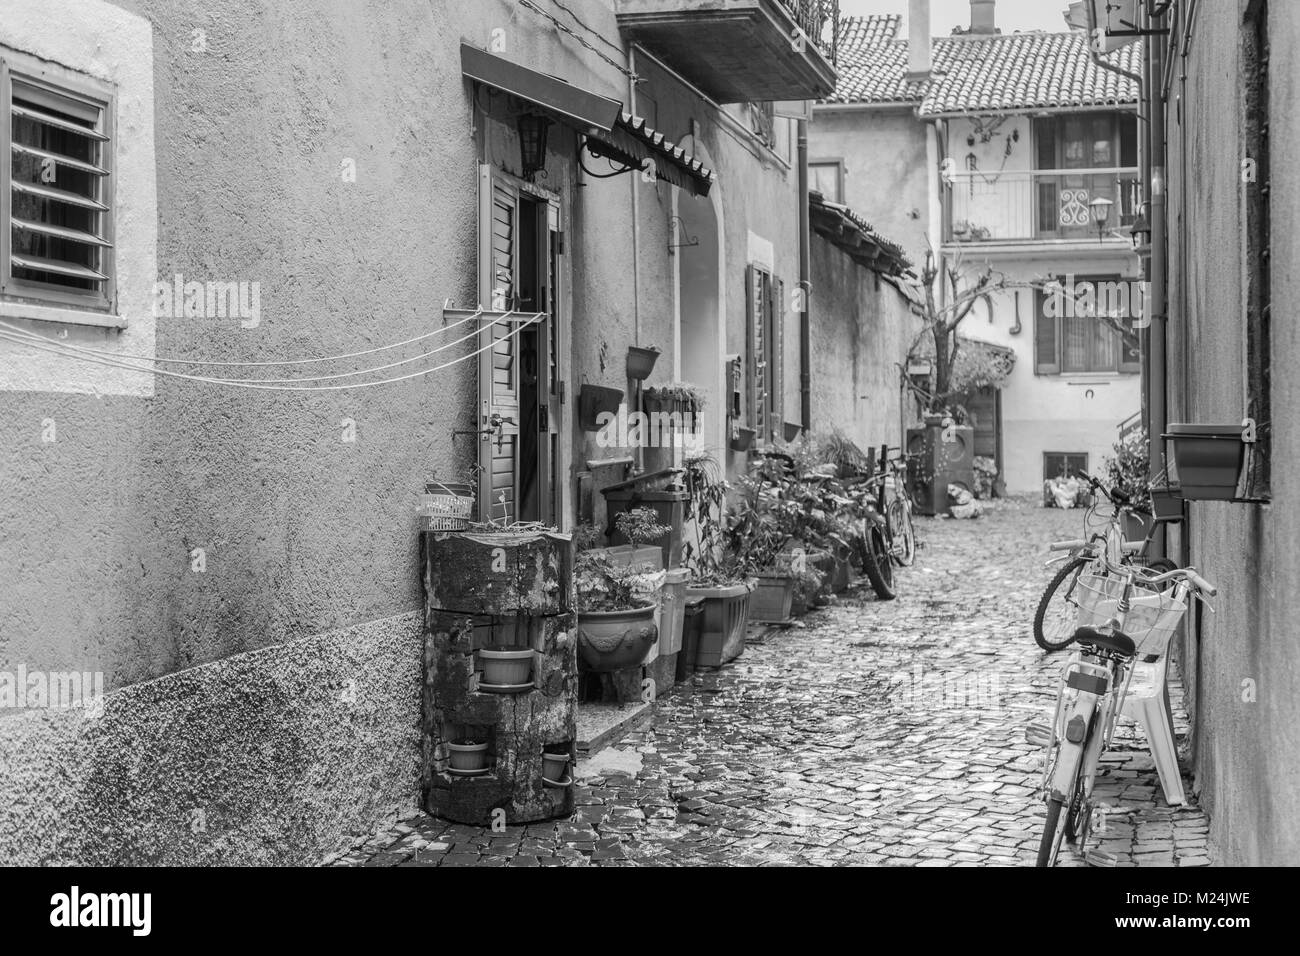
{"x": 722, "y": 632}
{"x": 824, "y": 562}
{"x": 742, "y": 438}
{"x": 614, "y": 640}
{"x": 1167, "y": 503}
{"x": 594, "y": 401}
{"x": 506, "y": 668}
{"x": 554, "y": 766}
{"x": 467, "y": 756}
{"x": 771, "y": 601}
{"x": 641, "y": 362}
{"x": 792, "y": 430}
{"x": 1206, "y": 460}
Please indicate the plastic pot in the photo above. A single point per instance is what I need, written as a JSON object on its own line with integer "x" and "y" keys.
{"x": 771, "y": 601}
{"x": 641, "y": 362}
{"x": 506, "y": 668}
{"x": 1206, "y": 460}
{"x": 554, "y": 766}
{"x": 1167, "y": 503}
{"x": 722, "y": 634}
{"x": 742, "y": 438}
{"x": 595, "y": 400}
{"x": 467, "y": 756}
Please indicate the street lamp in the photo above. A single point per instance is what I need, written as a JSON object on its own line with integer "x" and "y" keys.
{"x": 532, "y": 144}
{"x": 1101, "y": 215}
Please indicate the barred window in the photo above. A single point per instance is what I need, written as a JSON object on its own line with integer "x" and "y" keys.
{"x": 55, "y": 198}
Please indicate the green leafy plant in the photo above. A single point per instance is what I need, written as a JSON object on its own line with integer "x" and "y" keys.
{"x": 1129, "y": 468}
{"x": 603, "y": 584}
{"x": 710, "y": 563}
{"x": 640, "y": 525}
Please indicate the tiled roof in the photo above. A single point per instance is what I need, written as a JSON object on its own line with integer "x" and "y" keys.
{"x": 632, "y": 141}
{"x": 868, "y": 31}
{"x": 1017, "y": 71}
{"x": 844, "y": 227}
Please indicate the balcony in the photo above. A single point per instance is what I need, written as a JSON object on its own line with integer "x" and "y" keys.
{"x": 739, "y": 51}
{"x": 1039, "y": 205}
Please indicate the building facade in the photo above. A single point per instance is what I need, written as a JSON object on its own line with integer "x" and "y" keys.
{"x": 1004, "y": 153}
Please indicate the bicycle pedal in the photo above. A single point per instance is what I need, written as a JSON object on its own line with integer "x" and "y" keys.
{"x": 1095, "y": 857}
{"x": 1039, "y": 735}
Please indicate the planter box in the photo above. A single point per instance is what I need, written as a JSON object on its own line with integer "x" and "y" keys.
{"x": 626, "y": 556}
{"x": 1206, "y": 460}
{"x": 722, "y": 635}
{"x": 668, "y": 506}
{"x": 772, "y": 599}
{"x": 594, "y": 400}
{"x": 1167, "y": 503}
{"x": 1136, "y": 527}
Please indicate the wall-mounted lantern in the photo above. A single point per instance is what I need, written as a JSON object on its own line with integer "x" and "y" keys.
{"x": 1101, "y": 215}
{"x": 1141, "y": 230}
{"x": 533, "y": 128}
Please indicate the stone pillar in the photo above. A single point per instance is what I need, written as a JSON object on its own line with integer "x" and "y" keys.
{"x": 498, "y": 591}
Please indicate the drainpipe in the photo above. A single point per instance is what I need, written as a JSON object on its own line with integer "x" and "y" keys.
{"x": 805, "y": 283}
{"x": 1154, "y": 366}
{"x": 633, "y": 386}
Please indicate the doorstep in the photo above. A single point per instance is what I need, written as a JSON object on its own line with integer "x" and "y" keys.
{"x": 601, "y": 724}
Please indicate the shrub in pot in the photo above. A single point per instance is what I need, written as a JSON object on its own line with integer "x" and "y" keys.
{"x": 615, "y": 617}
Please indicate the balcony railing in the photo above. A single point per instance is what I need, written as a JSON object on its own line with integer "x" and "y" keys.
{"x": 1040, "y": 204}
{"x": 739, "y": 51}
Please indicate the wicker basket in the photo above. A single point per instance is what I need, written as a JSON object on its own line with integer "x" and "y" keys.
{"x": 444, "y": 510}
{"x": 1152, "y": 619}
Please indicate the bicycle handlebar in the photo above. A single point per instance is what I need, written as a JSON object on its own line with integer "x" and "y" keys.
{"x": 1067, "y": 545}
{"x": 1189, "y": 575}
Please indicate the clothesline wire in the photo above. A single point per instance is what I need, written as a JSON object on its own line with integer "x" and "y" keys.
{"x": 117, "y": 356}
{"x": 563, "y": 28}
{"x": 57, "y": 349}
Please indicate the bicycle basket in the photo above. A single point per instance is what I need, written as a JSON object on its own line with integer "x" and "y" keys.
{"x": 445, "y": 510}
{"x": 1152, "y": 619}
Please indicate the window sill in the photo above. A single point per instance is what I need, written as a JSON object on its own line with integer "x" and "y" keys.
{"x": 66, "y": 316}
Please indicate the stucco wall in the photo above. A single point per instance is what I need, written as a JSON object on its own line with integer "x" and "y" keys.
{"x": 887, "y": 174}
{"x": 309, "y": 552}
{"x": 861, "y": 330}
{"x": 1247, "y": 741}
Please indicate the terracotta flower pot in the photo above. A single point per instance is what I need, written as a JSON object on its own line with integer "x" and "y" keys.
{"x": 641, "y": 362}
{"x": 613, "y": 640}
{"x": 554, "y": 766}
{"x": 467, "y": 756}
{"x": 506, "y": 668}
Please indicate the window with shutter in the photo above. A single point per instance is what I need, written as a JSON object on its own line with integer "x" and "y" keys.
{"x": 1046, "y": 361}
{"x": 759, "y": 291}
{"x": 56, "y": 212}
{"x": 776, "y": 350}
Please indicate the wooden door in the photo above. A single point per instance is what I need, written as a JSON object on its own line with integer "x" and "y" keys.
{"x": 498, "y": 364}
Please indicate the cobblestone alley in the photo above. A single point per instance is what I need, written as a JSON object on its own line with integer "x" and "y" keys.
{"x": 870, "y": 733}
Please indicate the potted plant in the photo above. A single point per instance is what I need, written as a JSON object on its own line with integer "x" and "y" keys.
{"x": 741, "y": 438}
{"x": 506, "y": 669}
{"x": 1126, "y": 471}
{"x": 615, "y": 617}
{"x": 641, "y": 362}
{"x": 717, "y": 577}
{"x": 1207, "y": 460}
{"x": 683, "y": 398}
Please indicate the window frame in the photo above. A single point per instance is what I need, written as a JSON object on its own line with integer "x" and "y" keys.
{"x": 838, "y": 163}
{"x": 1065, "y": 455}
{"x": 23, "y": 298}
{"x": 765, "y": 343}
{"x": 1057, "y": 367}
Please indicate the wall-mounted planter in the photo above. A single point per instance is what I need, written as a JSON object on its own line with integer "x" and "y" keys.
{"x": 742, "y": 438}
{"x": 792, "y": 430}
{"x": 641, "y": 362}
{"x": 595, "y": 400}
{"x": 1206, "y": 460}
{"x": 502, "y": 669}
{"x": 1167, "y": 502}
{"x": 467, "y": 757}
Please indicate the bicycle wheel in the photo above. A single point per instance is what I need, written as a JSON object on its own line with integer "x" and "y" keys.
{"x": 1051, "y": 841}
{"x": 1058, "y": 609}
{"x": 902, "y": 534}
{"x": 878, "y": 565}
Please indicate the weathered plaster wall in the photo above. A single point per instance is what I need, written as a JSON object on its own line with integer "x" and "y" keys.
{"x": 886, "y": 170}
{"x": 1246, "y": 751}
{"x": 861, "y": 330}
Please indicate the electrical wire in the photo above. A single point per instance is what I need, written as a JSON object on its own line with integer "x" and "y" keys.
{"x": 258, "y": 386}
{"x": 529, "y": 5}
{"x": 597, "y": 34}
{"x": 302, "y": 378}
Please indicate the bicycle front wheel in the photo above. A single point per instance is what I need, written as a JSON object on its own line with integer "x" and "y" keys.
{"x": 878, "y": 565}
{"x": 901, "y": 533}
{"x": 1058, "y": 610}
{"x": 1051, "y": 841}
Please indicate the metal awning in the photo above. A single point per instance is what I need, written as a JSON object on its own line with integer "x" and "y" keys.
{"x": 612, "y": 133}
{"x": 632, "y": 142}
{"x": 582, "y": 109}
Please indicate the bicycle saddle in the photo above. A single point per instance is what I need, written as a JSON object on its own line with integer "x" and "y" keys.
{"x": 1117, "y": 643}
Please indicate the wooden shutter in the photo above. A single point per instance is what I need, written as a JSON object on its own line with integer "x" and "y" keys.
{"x": 776, "y": 342}
{"x": 1046, "y": 353}
{"x": 498, "y": 373}
{"x": 759, "y": 289}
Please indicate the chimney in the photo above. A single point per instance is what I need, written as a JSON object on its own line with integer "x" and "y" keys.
{"x": 918, "y": 40}
{"x": 983, "y": 17}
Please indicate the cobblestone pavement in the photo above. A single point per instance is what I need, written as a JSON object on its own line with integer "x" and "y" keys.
{"x": 872, "y": 733}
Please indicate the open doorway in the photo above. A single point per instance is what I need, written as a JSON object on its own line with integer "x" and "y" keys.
{"x": 700, "y": 301}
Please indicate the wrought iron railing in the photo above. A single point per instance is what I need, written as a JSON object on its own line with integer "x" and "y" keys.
{"x": 1040, "y": 204}
{"x": 820, "y": 22}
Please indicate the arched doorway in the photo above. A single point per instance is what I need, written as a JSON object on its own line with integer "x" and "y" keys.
{"x": 701, "y": 300}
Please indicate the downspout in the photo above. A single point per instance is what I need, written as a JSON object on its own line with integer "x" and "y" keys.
{"x": 633, "y": 386}
{"x": 805, "y": 282}
{"x": 1154, "y": 366}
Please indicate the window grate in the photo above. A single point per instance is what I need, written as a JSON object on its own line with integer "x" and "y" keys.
{"x": 57, "y": 197}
